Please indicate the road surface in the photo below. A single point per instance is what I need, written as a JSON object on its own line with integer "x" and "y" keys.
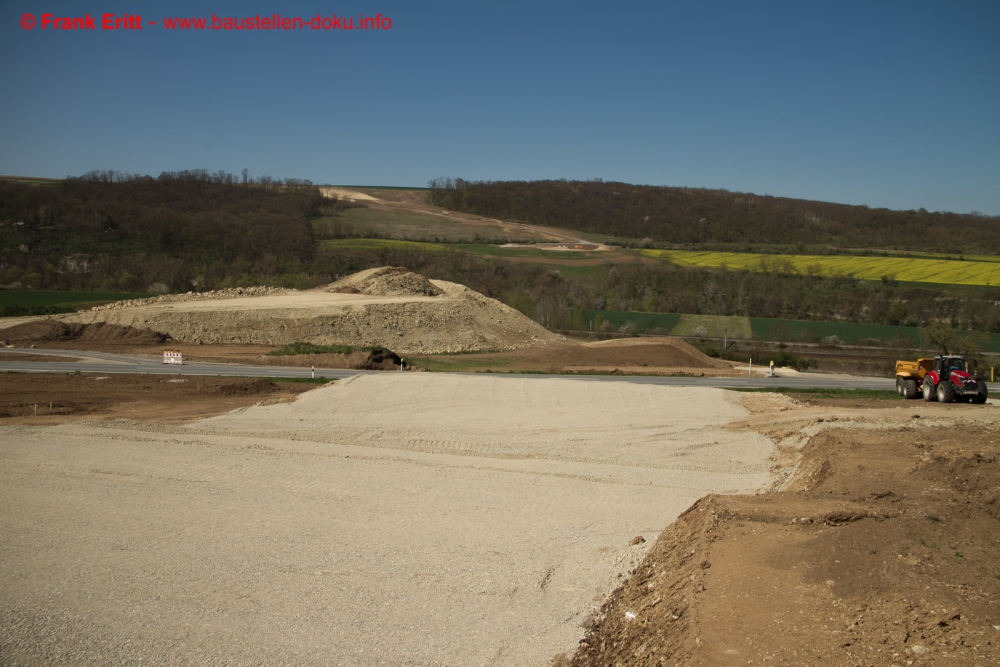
{"x": 103, "y": 362}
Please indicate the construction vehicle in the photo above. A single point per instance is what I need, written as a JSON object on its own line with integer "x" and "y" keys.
{"x": 944, "y": 378}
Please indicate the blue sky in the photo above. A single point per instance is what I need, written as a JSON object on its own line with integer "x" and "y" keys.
{"x": 892, "y": 104}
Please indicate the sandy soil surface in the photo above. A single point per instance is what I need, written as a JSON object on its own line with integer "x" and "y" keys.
{"x": 413, "y": 519}
{"x": 884, "y": 549}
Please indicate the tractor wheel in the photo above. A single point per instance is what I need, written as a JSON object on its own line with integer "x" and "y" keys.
{"x": 982, "y": 393}
{"x": 930, "y": 391}
{"x": 910, "y": 389}
{"x": 946, "y": 392}
{"x": 899, "y": 386}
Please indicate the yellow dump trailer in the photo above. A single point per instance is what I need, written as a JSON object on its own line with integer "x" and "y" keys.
{"x": 910, "y": 376}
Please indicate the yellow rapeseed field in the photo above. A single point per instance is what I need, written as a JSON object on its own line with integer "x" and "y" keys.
{"x": 971, "y": 271}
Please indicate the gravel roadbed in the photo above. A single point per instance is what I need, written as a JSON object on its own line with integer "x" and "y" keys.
{"x": 399, "y": 519}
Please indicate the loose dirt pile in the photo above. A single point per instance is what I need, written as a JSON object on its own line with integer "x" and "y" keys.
{"x": 385, "y": 281}
{"x": 405, "y": 313}
{"x": 641, "y": 352}
{"x": 882, "y": 550}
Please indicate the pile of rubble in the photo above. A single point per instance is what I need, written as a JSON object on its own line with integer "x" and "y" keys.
{"x": 385, "y": 281}
{"x": 229, "y": 293}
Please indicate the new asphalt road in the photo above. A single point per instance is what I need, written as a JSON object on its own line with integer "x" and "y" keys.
{"x": 102, "y": 362}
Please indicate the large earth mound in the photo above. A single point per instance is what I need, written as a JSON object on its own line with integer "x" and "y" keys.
{"x": 386, "y": 307}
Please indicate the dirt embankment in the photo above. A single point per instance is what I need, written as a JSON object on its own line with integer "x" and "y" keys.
{"x": 389, "y": 307}
{"x": 53, "y": 399}
{"x": 882, "y": 550}
{"x": 633, "y": 356}
{"x": 56, "y": 331}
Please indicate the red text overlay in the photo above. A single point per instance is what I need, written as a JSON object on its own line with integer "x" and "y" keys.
{"x": 248, "y": 23}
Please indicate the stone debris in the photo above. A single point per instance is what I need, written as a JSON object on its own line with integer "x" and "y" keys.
{"x": 385, "y": 281}
{"x": 229, "y": 293}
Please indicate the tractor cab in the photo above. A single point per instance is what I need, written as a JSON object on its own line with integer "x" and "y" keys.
{"x": 944, "y": 365}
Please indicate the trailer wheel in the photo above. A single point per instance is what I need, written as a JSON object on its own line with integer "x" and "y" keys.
{"x": 946, "y": 392}
{"x": 982, "y": 393}
{"x": 910, "y": 389}
{"x": 930, "y": 391}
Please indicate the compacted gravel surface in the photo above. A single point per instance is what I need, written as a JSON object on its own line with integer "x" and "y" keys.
{"x": 397, "y": 519}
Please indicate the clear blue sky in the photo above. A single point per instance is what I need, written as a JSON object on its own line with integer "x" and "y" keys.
{"x": 891, "y": 104}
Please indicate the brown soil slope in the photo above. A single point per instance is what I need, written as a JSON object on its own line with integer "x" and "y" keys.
{"x": 53, "y": 399}
{"x": 56, "y": 331}
{"x": 387, "y": 307}
{"x": 883, "y": 550}
{"x": 660, "y": 352}
{"x": 630, "y": 355}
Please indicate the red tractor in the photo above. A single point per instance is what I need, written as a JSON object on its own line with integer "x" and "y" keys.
{"x": 946, "y": 379}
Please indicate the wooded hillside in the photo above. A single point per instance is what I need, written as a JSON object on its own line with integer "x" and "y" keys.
{"x": 180, "y": 230}
{"x": 668, "y": 215}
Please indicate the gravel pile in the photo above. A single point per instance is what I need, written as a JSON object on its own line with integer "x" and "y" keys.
{"x": 385, "y": 281}
{"x": 230, "y": 293}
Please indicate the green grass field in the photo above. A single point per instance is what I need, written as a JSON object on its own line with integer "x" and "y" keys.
{"x": 966, "y": 271}
{"x": 384, "y": 244}
{"x": 766, "y": 328}
{"x": 716, "y": 326}
{"x": 482, "y": 249}
{"x": 40, "y": 302}
{"x": 644, "y": 322}
{"x": 777, "y": 329}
